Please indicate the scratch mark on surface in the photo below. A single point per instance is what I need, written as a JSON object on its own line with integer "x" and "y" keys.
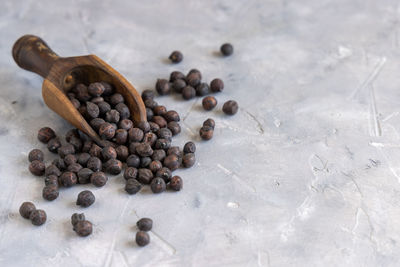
{"x": 393, "y": 171}
{"x": 254, "y": 118}
{"x": 260, "y": 261}
{"x": 169, "y": 246}
{"x": 370, "y": 78}
{"x": 237, "y": 178}
{"x": 390, "y": 116}
{"x": 374, "y": 113}
{"x": 190, "y": 110}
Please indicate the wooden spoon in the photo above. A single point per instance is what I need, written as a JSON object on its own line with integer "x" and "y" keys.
{"x": 62, "y": 74}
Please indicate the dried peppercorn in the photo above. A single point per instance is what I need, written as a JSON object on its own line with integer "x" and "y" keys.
{"x": 195, "y": 71}
{"x": 52, "y": 170}
{"x": 230, "y": 107}
{"x": 178, "y": 85}
{"x": 106, "y": 131}
{"x": 154, "y": 127}
{"x": 171, "y": 162}
{"x": 176, "y": 183}
{"x": 96, "y": 123}
{"x": 148, "y": 93}
{"x": 144, "y": 224}
{"x": 66, "y": 150}
{"x": 35, "y": 154}
{"x": 54, "y": 144}
{"x": 74, "y": 167}
{"x": 98, "y": 179}
{"x": 84, "y": 175}
{"x": 206, "y": 132}
{"x": 96, "y": 100}
{"x": 125, "y": 124}
{"x": 217, "y": 85}
{"x": 160, "y": 121}
{"x": 51, "y": 180}
{"x": 144, "y": 150}
{"x": 113, "y": 166}
{"x": 95, "y": 151}
{"x": 189, "y": 147}
{"x": 175, "y": 150}
{"x": 188, "y": 160}
{"x": 77, "y": 217}
{"x": 60, "y": 164}
{"x": 174, "y": 127}
{"x": 209, "y": 122}
{"x": 157, "y": 185}
{"x": 155, "y": 165}
{"x": 160, "y": 110}
{"x": 94, "y": 163}
{"x": 68, "y": 179}
{"x": 226, "y": 49}
{"x": 26, "y": 209}
{"x": 150, "y": 138}
{"x": 188, "y": 92}
{"x": 37, "y": 168}
{"x": 123, "y": 111}
{"x": 96, "y": 89}
{"x": 163, "y": 87}
{"x": 75, "y": 102}
{"x": 38, "y": 217}
{"x": 116, "y": 99}
{"x": 76, "y": 143}
{"x": 50, "y": 192}
{"x": 130, "y": 173}
{"x": 145, "y": 162}
{"x": 144, "y": 126}
{"x": 87, "y": 145}
{"x": 162, "y": 144}
{"x": 164, "y": 133}
{"x": 193, "y": 78}
{"x": 70, "y": 159}
{"x": 83, "y": 228}
{"x": 175, "y": 75}
{"x": 83, "y": 158}
{"x": 150, "y": 103}
{"x": 202, "y": 89}
{"x": 135, "y": 135}
{"x": 82, "y": 93}
{"x": 133, "y": 161}
{"x": 82, "y": 110}
{"x": 122, "y": 153}
{"x": 71, "y": 133}
{"x": 45, "y": 134}
{"x": 85, "y": 199}
{"x": 109, "y": 152}
{"x": 145, "y": 176}
{"x": 132, "y": 186}
{"x": 92, "y": 110}
{"x": 164, "y": 173}
{"x": 209, "y": 102}
{"x": 158, "y": 154}
{"x": 172, "y": 115}
{"x": 104, "y": 107}
{"x": 112, "y": 116}
{"x": 142, "y": 238}
{"x": 176, "y": 57}
{"x": 108, "y": 89}
{"x": 149, "y": 114}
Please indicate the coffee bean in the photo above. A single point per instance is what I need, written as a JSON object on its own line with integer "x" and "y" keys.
{"x": 35, "y": 154}
{"x": 83, "y": 158}
{"x": 83, "y": 228}
{"x": 94, "y": 163}
{"x": 163, "y": 87}
{"x": 148, "y": 93}
{"x": 84, "y": 175}
{"x": 38, "y": 217}
{"x": 52, "y": 170}
{"x": 50, "y": 192}
{"x": 116, "y": 99}
{"x": 122, "y": 153}
{"x": 66, "y": 150}
{"x": 135, "y": 135}
{"x": 123, "y": 110}
{"x": 104, "y": 107}
{"x": 175, "y": 75}
{"x": 209, "y": 102}
{"x": 68, "y": 179}
{"x": 226, "y": 49}
{"x": 133, "y": 161}
{"x": 26, "y": 209}
{"x": 189, "y": 147}
{"x": 98, "y": 179}
{"x": 230, "y": 107}
{"x": 158, "y": 154}
{"x": 53, "y": 145}
{"x": 45, "y": 134}
{"x": 51, "y": 180}
{"x": 176, "y": 183}
{"x": 217, "y": 85}
{"x": 144, "y": 224}
{"x": 174, "y": 127}
{"x": 206, "y": 132}
{"x": 209, "y": 122}
{"x": 85, "y": 199}
{"x": 77, "y": 217}
{"x": 157, "y": 185}
{"x": 74, "y": 167}
{"x": 144, "y": 176}
{"x": 202, "y": 89}
{"x": 106, "y": 131}
{"x": 188, "y": 92}
{"x": 188, "y": 160}
{"x": 132, "y": 186}
{"x": 164, "y": 173}
{"x": 96, "y": 89}
{"x": 142, "y": 238}
{"x": 125, "y": 124}
{"x": 178, "y": 85}
{"x": 70, "y": 159}
{"x": 155, "y": 165}
{"x": 37, "y": 168}
{"x": 176, "y": 57}
{"x": 160, "y": 121}
{"x": 108, "y": 89}
{"x": 113, "y": 166}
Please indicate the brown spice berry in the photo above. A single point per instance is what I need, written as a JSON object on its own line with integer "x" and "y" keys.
{"x": 188, "y": 160}
{"x": 144, "y": 176}
{"x": 206, "y": 132}
{"x": 37, "y": 168}
{"x": 92, "y": 110}
{"x": 130, "y": 173}
{"x": 135, "y": 135}
{"x": 26, "y": 209}
{"x": 113, "y": 166}
{"x": 50, "y": 192}
{"x": 188, "y": 92}
{"x": 38, "y": 217}
{"x": 85, "y": 199}
{"x": 189, "y": 147}
{"x": 230, "y": 107}
{"x": 83, "y": 228}
{"x": 209, "y": 122}
{"x": 172, "y": 162}
{"x": 160, "y": 110}
{"x": 35, "y": 154}
{"x": 144, "y": 224}
{"x": 122, "y": 153}
{"x": 94, "y": 163}
{"x": 148, "y": 93}
{"x": 45, "y": 134}
{"x": 175, "y": 75}
{"x": 53, "y": 145}
{"x": 202, "y": 89}
{"x": 176, "y": 183}
{"x": 142, "y": 238}
{"x": 209, "y": 102}
{"x": 84, "y": 175}
{"x": 96, "y": 89}
{"x": 155, "y": 165}
{"x": 176, "y": 56}
{"x": 163, "y": 87}
{"x": 226, "y": 49}
{"x": 217, "y": 85}
{"x": 174, "y": 127}
{"x": 106, "y": 131}
{"x": 157, "y": 185}
{"x": 132, "y": 186}
{"x": 116, "y": 99}
{"x": 66, "y": 150}
{"x": 109, "y": 152}
{"x": 68, "y": 179}
{"x": 160, "y": 121}
{"x": 172, "y": 115}
{"x": 125, "y": 124}
{"x": 98, "y": 179}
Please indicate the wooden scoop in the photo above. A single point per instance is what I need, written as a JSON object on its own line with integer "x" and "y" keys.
{"x": 62, "y": 74}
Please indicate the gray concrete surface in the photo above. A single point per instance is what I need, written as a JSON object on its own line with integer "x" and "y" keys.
{"x": 306, "y": 174}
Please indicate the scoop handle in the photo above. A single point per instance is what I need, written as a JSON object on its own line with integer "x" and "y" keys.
{"x": 32, "y": 53}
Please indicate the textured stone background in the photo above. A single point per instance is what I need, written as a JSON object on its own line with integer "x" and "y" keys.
{"x": 306, "y": 174}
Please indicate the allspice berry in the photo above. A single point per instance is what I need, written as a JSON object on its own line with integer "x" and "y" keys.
{"x": 230, "y": 107}
{"x": 45, "y": 134}
{"x": 209, "y": 102}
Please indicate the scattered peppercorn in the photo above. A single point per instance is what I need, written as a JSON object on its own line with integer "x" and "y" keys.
{"x": 45, "y": 134}
{"x": 176, "y": 56}
{"x": 188, "y": 160}
{"x": 83, "y": 228}
{"x": 38, "y": 217}
{"x": 35, "y": 154}
{"x": 209, "y": 102}
{"x": 163, "y": 87}
{"x": 157, "y": 185}
{"x": 176, "y": 183}
{"x": 84, "y": 175}
{"x": 113, "y": 166}
{"x": 144, "y": 176}
{"x": 175, "y": 75}
{"x": 226, "y": 49}
{"x": 96, "y": 89}
{"x": 206, "y": 132}
{"x": 94, "y": 163}
{"x": 189, "y": 147}
{"x": 217, "y": 85}
{"x": 68, "y": 179}
{"x": 85, "y": 198}
{"x": 142, "y": 238}
{"x": 202, "y": 89}
{"x": 51, "y": 180}
{"x": 52, "y": 170}
{"x": 144, "y": 224}
{"x": 77, "y": 217}
{"x": 50, "y": 192}
{"x": 132, "y": 186}
{"x": 37, "y": 168}
{"x": 53, "y": 145}
{"x": 209, "y": 122}
{"x": 230, "y": 107}
{"x": 98, "y": 179}
{"x": 148, "y": 93}
{"x": 26, "y": 209}
{"x": 172, "y": 162}
{"x": 188, "y": 92}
